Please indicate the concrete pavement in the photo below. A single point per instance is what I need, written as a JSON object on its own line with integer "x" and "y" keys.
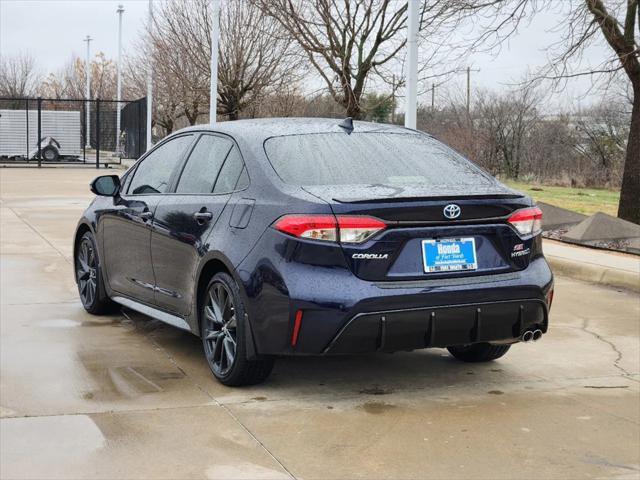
{"x": 124, "y": 396}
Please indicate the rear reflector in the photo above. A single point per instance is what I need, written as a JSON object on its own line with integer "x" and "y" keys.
{"x": 549, "y": 298}
{"x": 343, "y": 228}
{"x": 296, "y": 328}
{"x": 527, "y": 221}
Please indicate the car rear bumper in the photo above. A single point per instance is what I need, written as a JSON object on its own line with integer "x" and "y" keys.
{"x": 440, "y": 326}
{"x": 342, "y": 314}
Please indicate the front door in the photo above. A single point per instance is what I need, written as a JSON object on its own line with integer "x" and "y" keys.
{"x": 126, "y": 236}
{"x": 185, "y": 222}
{"x": 126, "y": 229}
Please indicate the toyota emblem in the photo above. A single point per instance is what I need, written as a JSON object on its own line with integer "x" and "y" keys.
{"x": 452, "y": 211}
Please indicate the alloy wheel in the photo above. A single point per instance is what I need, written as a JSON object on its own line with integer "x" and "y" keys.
{"x": 87, "y": 267}
{"x": 220, "y": 328}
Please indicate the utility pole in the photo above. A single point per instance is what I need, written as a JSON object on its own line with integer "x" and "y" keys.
{"x": 119, "y": 11}
{"x": 393, "y": 98}
{"x": 468, "y": 90}
{"x": 433, "y": 96}
{"x": 411, "y": 107}
{"x": 87, "y": 69}
{"x": 215, "y": 34}
{"x": 149, "y": 77}
{"x": 469, "y": 70}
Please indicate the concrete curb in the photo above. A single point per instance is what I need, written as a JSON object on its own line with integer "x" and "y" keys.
{"x": 589, "y": 272}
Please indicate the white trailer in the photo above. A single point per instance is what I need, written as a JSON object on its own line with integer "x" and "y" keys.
{"x": 19, "y": 132}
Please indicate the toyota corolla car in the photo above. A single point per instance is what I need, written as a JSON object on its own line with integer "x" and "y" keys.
{"x": 315, "y": 237}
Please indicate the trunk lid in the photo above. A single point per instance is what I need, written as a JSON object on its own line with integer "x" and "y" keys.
{"x": 413, "y": 215}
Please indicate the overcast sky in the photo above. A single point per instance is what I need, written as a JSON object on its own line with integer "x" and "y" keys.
{"x": 53, "y": 30}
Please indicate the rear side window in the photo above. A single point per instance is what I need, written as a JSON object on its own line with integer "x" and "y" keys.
{"x": 153, "y": 174}
{"x": 202, "y": 168}
{"x": 369, "y": 158}
{"x": 233, "y": 175}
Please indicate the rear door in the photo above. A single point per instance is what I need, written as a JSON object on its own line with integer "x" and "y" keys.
{"x": 126, "y": 229}
{"x": 185, "y": 218}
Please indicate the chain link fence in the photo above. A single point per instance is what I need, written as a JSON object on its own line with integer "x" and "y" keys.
{"x": 37, "y": 131}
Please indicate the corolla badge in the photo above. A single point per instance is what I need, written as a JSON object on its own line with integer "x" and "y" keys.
{"x": 452, "y": 211}
{"x": 370, "y": 256}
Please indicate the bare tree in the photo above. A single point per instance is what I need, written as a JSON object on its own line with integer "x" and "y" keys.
{"x": 358, "y": 44}
{"x": 19, "y": 76}
{"x": 255, "y": 58}
{"x": 167, "y": 110}
{"x": 604, "y": 131}
{"x": 70, "y": 81}
{"x": 623, "y": 39}
{"x": 344, "y": 40}
{"x": 287, "y": 102}
{"x": 584, "y": 23}
{"x": 550, "y": 154}
{"x": 505, "y": 122}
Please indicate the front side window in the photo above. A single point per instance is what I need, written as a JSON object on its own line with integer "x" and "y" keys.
{"x": 153, "y": 174}
{"x": 202, "y": 168}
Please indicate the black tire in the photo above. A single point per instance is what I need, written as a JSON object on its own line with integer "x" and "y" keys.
{"x": 89, "y": 278}
{"x": 478, "y": 352}
{"x": 223, "y": 331}
{"x": 50, "y": 154}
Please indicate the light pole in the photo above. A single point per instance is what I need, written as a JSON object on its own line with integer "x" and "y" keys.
{"x": 149, "y": 76}
{"x": 87, "y": 69}
{"x": 215, "y": 33}
{"x": 119, "y": 11}
{"x": 412, "y": 68}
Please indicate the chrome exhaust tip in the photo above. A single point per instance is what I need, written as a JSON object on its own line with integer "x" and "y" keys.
{"x": 537, "y": 335}
{"x": 527, "y": 336}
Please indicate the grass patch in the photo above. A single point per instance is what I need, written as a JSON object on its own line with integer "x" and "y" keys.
{"x": 582, "y": 200}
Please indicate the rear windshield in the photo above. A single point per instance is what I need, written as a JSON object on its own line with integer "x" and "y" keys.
{"x": 369, "y": 158}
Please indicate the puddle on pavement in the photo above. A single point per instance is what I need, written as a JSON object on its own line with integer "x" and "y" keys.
{"x": 69, "y": 323}
{"x": 376, "y": 408}
{"x": 376, "y": 391}
{"x": 144, "y": 323}
{"x": 129, "y": 382}
{"x": 132, "y": 381}
{"x": 58, "y": 323}
{"x": 118, "y": 382}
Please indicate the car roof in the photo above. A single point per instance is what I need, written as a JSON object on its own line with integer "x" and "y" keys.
{"x": 260, "y": 129}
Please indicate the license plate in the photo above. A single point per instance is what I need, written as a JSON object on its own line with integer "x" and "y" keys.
{"x": 449, "y": 255}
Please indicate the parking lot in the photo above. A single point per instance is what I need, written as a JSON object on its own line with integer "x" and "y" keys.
{"x": 125, "y": 396}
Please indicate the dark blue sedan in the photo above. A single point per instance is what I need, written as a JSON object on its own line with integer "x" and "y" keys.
{"x": 312, "y": 237}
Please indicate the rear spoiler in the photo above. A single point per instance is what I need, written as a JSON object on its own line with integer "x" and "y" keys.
{"x": 427, "y": 199}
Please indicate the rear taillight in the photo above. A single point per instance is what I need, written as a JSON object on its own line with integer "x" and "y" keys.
{"x": 316, "y": 227}
{"x": 342, "y": 228}
{"x": 527, "y": 221}
{"x": 358, "y": 229}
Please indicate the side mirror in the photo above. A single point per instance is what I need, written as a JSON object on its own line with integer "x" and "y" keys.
{"x": 106, "y": 185}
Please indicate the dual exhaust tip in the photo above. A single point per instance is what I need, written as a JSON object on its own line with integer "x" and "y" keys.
{"x": 531, "y": 335}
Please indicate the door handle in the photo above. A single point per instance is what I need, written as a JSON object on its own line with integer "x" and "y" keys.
{"x": 202, "y": 216}
{"x": 146, "y": 215}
